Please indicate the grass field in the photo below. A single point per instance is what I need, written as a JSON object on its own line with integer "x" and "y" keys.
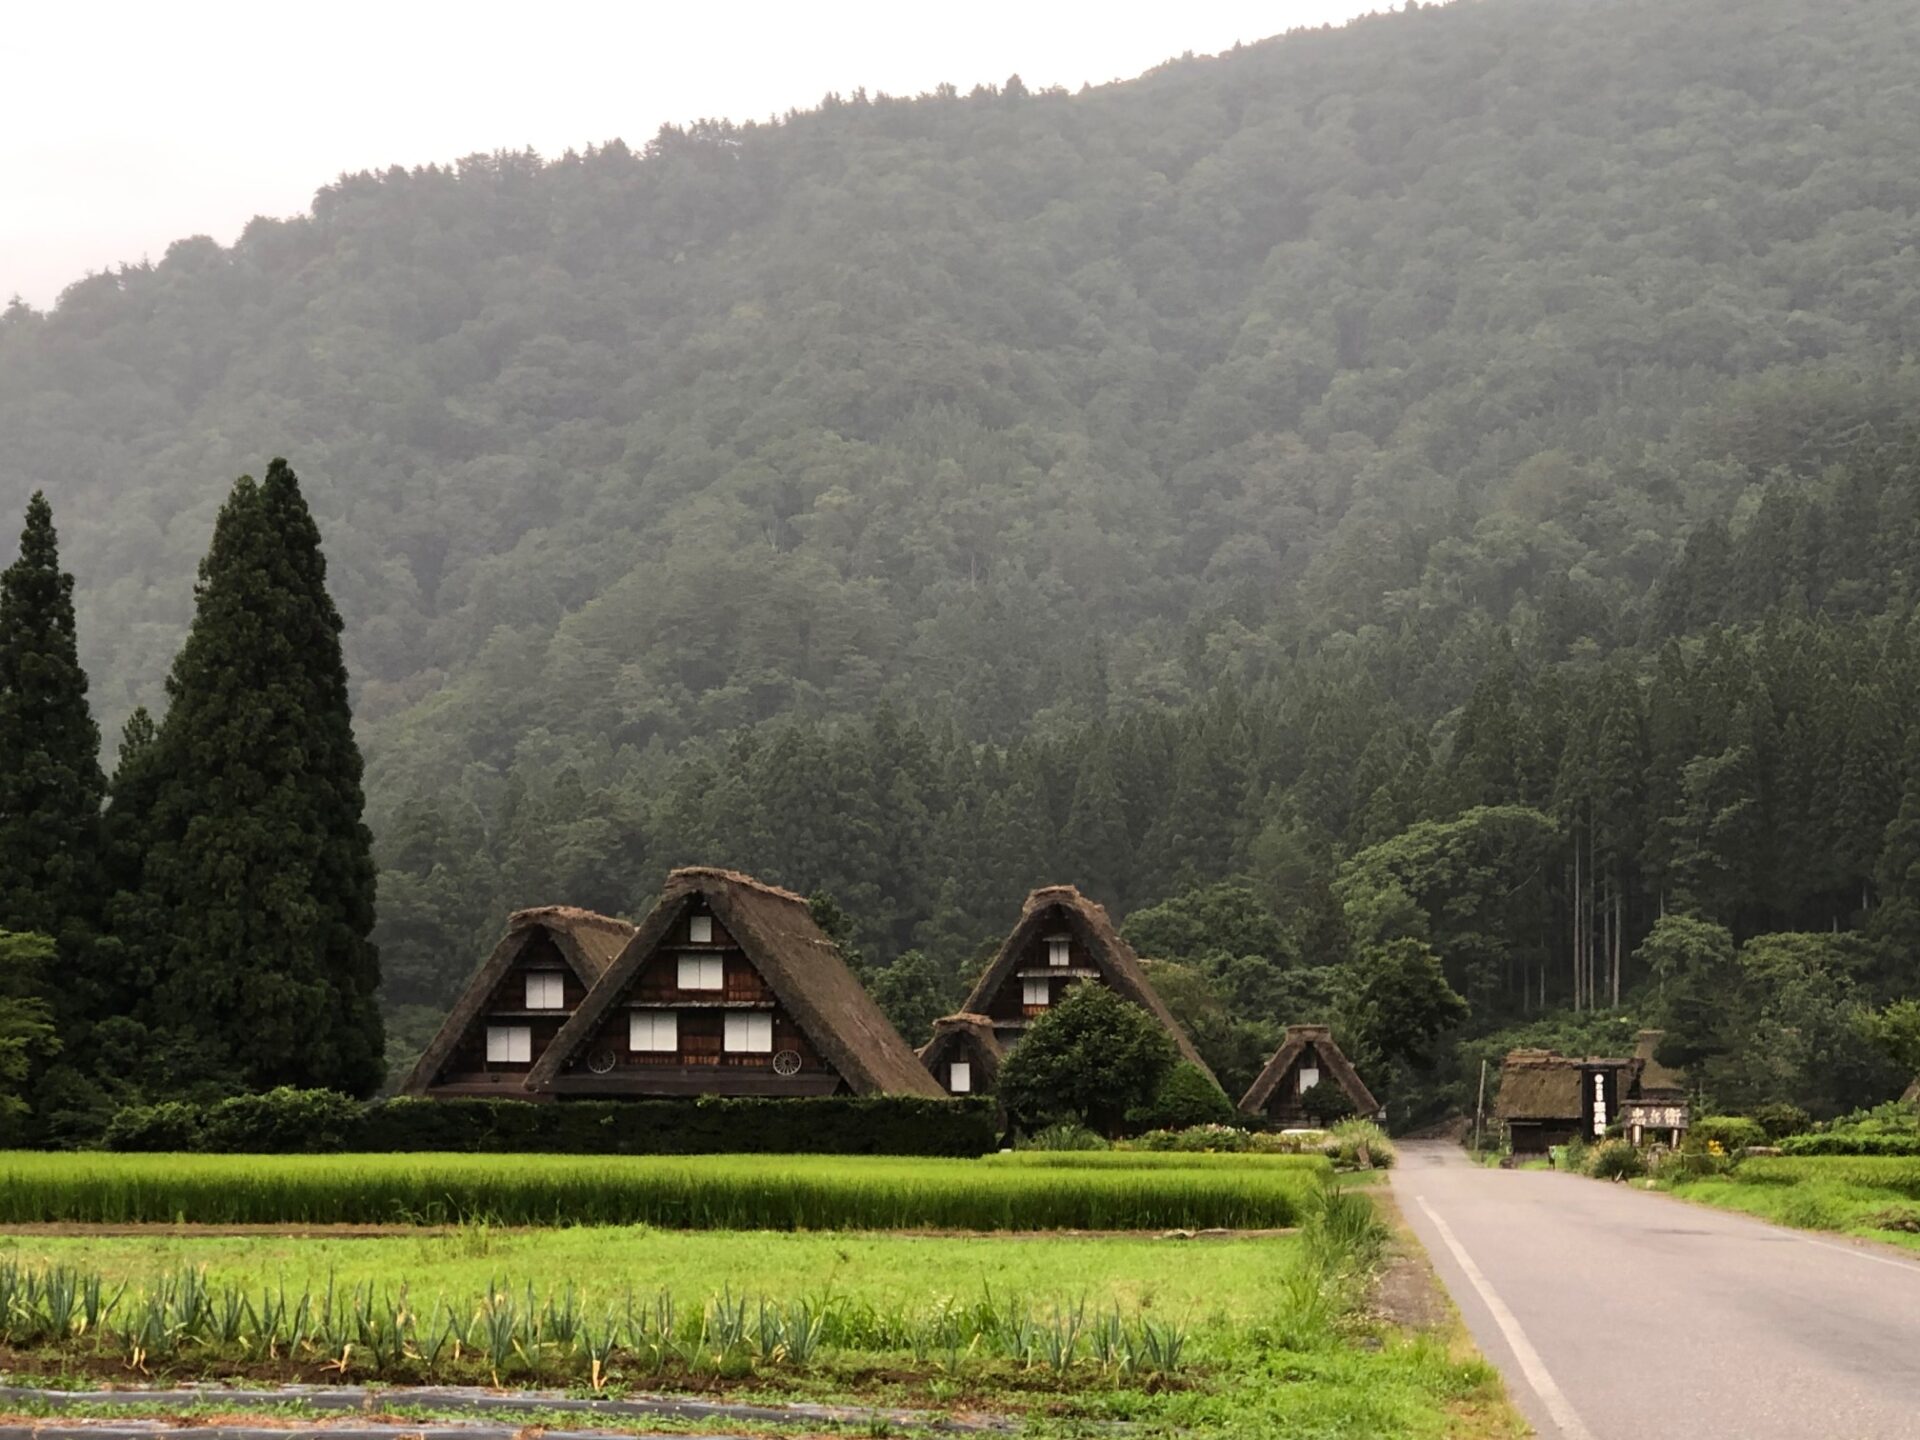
{"x": 1245, "y": 1336}
{"x": 1868, "y": 1195}
{"x": 720, "y": 1192}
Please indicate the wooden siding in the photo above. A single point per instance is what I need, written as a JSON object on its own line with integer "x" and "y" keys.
{"x": 507, "y": 1005}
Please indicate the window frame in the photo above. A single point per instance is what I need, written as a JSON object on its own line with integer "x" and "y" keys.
{"x": 960, "y": 1077}
{"x": 747, "y": 1021}
{"x": 695, "y": 925}
{"x": 1037, "y": 984}
{"x": 550, "y": 982}
{"x": 702, "y": 966}
{"x": 654, "y": 1019}
{"x": 508, "y": 1038}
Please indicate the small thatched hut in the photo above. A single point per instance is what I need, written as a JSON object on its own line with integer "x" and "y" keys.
{"x": 964, "y": 1054}
{"x": 1306, "y": 1057}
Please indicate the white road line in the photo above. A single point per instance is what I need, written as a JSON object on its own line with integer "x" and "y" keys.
{"x": 1859, "y": 1254}
{"x": 1531, "y": 1365}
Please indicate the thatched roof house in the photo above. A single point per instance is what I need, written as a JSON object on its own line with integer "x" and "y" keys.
{"x": 964, "y": 1054}
{"x": 517, "y": 1001}
{"x": 728, "y": 988}
{"x": 1546, "y": 1099}
{"x": 1305, "y": 1058}
{"x": 1061, "y": 939}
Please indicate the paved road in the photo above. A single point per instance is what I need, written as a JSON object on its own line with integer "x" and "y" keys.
{"x": 1617, "y": 1314}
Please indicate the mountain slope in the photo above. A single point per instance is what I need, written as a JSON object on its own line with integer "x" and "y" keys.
{"x": 1009, "y": 405}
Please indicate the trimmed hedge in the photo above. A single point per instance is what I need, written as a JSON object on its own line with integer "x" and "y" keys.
{"x": 1840, "y": 1142}
{"x": 291, "y": 1122}
{"x": 1733, "y": 1132}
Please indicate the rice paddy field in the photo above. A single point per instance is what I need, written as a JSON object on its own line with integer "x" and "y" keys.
{"x": 1058, "y": 1290}
{"x": 704, "y": 1192}
{"x": 1875, "y": 1196}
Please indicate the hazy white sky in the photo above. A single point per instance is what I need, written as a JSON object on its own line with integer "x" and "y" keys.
{"x": 126, "y": 126}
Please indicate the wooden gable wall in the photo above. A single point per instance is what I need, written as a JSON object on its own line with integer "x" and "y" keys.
{"x": 699, "y": 1062}
{"x": 468, "y": 1067}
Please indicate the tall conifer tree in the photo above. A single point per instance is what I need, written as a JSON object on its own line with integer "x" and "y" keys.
{"x": 259, "y": 855}
{"x": 51, "y": 786}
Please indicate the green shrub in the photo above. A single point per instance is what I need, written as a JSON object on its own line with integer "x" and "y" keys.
{"x": 1780, "y": 1120}
{"x": 1187, "y": 1097}
{"x": 1064, "y": 1135}
{"x": 1362, "y": 1145}
{"x": 1197, "y": 1139}
{"x": 1733, "y": 1133}
{"x": 282, "y": 1122}
{"x": 171, "y": 1125}
{"x": 1326, "y": 1101}
{"x": 1850, "y": 1142}
{"x": 1616, "y": 1160}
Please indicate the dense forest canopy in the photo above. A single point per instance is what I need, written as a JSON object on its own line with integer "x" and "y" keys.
{"x": 1275, "y": 467}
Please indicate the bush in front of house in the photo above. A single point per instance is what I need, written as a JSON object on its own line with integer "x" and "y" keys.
{"x": 1732, "y": 1133}
{"x": 1362, "y": 1145}
{"x": 1186, "y": 1098}
{"x": 1326, "y": 1101}
{"x": 319, "y": 1122}
{"x": 1616, "y": 1160}
{"x": 1780, "y": 1120}
{"x": 1065, "y": 1135}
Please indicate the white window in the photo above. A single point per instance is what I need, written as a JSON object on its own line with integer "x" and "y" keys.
{"x": 1059, "y": 950}
{"x": 654, "y": 1032}
{"x": 1035, "y": 992}
{"x": 749, "y": 1034}
{"x": 511, "y": 1044}
{"x": 700, "y": 930}
{"x": 701, "y": 972}
{"x": 960, "y": 1077}
{"x": 1309, "y": 1077}
{"x": 546, "y": 990}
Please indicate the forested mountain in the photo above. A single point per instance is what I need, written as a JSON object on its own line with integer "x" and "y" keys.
{"x": 1218, "y": 474}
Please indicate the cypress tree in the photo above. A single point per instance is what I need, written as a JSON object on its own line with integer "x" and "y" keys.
{"x": 51, "y": 786}
{"x": 259, "y": 856}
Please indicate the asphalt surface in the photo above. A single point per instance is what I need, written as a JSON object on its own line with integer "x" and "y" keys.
{"x": 1620, "y": 1314}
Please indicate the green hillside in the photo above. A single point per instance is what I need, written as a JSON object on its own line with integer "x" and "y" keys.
{"x": 1200, "y": 445}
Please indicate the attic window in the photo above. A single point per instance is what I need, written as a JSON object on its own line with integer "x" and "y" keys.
{"x": 749, "y": 1034}
{"x": 1059, "y": 950}
{"x": 509, "y": 1044}
{"x": 546, "y": 990}
{"x": 960, "y": 1077}
{"x": 701, "y": 972}
{"x": 654, "y": 1032}
{"x": 700, "y": 930}
{"x": 1035, "y": 992}
{"x": 1309, "y": 1077}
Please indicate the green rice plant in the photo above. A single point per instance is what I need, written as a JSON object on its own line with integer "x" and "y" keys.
{"x": 1128, "y": 1191}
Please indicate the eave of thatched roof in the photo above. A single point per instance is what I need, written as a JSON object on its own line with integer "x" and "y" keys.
{"x": 973, "y": 1034}
{"x": 800, "y": 964}
{"x": 1331, "y": 1056}
{"x": 588, "y": 942}
{"x": 1111, "y": 955}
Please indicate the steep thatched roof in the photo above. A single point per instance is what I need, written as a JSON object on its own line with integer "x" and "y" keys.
{"x": 1331, "y": 1056}
{"x": 800, "y": 964}
{"x": 588, "y": 942}
{"x": 1538, "y": 1085}
{"x": 1113, "y": 957}
{"x": 964, "y": 1033}
{"x": 1656, "y": 1081}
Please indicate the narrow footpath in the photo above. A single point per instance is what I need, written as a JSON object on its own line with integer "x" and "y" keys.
{"x": 1616, "y": 1314}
